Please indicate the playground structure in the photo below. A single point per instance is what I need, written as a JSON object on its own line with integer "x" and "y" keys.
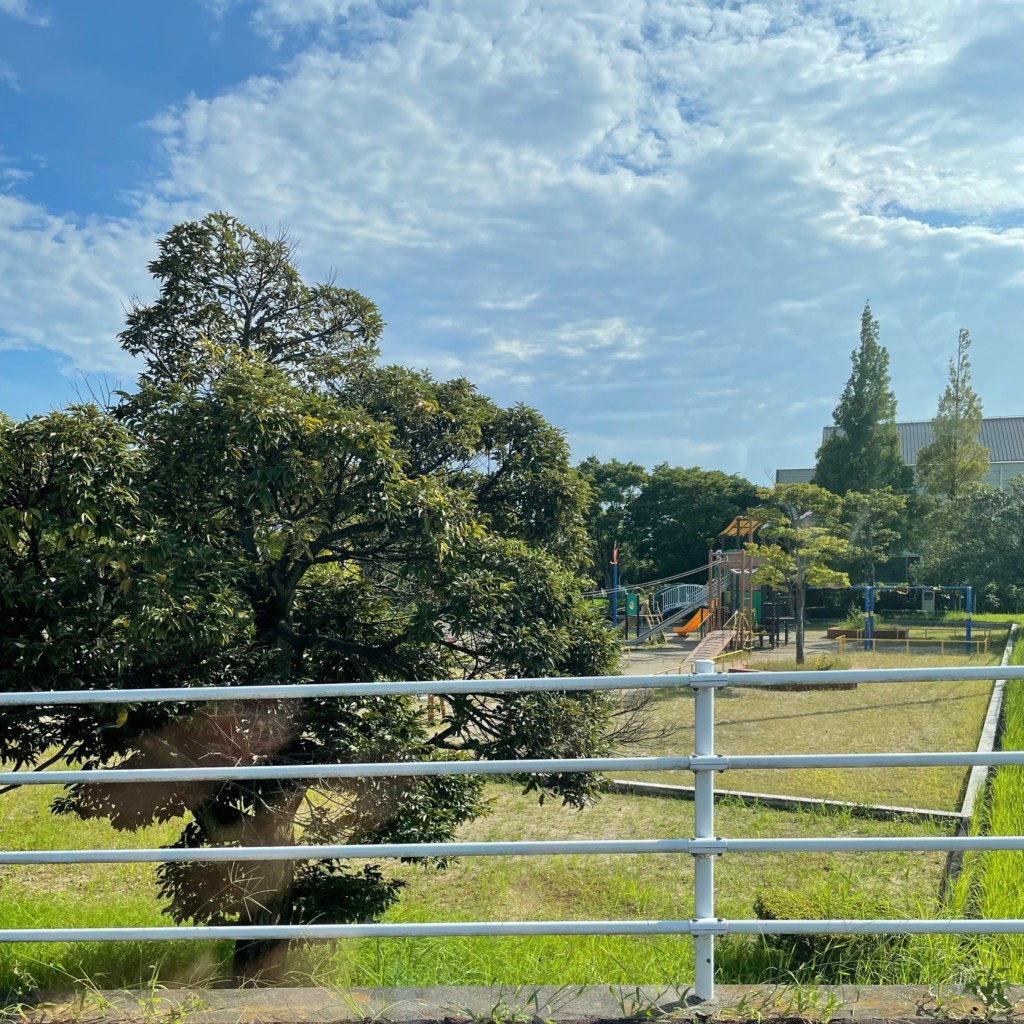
{"x": 729, "y": 613}
{"x": 726, "y": 612}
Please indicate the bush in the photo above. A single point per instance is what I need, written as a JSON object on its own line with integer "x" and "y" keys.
{"x": 830, "y": 958}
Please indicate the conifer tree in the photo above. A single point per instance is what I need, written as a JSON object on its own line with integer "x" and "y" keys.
{"x": 863, "y": 453}
{"x": 955, "y": 461}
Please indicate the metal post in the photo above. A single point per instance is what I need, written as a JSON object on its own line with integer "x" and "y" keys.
{"x": 869, "y": 618}
{"x": 704, "y": 828}
{"x": 967, "y": 645}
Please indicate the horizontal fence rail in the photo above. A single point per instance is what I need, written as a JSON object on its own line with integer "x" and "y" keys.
{"x": 703, "y": 847}
{"x": 473, "y": 687}
{"x": 516, "y": 848}
{"x": 708, "y": 763}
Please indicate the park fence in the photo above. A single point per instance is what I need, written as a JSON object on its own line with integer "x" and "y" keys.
{"x": 701, "y": 923}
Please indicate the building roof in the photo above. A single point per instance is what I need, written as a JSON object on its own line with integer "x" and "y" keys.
{"x": 1003, "y": 436}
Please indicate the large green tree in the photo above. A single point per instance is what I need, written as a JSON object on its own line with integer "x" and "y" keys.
{"x": 614, "y": 486}
{"x": 679, "y": 513}
{"x": 800, "y": 540}
{"x": 878, "y": 527}
{"x": 863, "y": 452}
{"x": 272, "y": 505}
{"x": 978, "y": 540}
{"x": 955, "y": 461}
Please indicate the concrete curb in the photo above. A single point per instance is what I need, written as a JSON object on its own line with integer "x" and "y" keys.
{"x": 508, "y": 1004}
{"x": 781, "y": 802}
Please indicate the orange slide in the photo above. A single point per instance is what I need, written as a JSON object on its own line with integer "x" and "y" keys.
{"x": 694, "y": 623}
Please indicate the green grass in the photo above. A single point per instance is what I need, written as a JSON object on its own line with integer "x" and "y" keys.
{"x": 518, "y": 888}
{"x": 990, "y": 884}
{"x": 521, "y": 888}
{"x": 44, "y": 896}
{"x": 622, "y": 887}
{"x": 876, "y": 717}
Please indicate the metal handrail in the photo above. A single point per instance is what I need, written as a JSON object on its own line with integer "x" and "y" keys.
{"x": 703, "y": 847}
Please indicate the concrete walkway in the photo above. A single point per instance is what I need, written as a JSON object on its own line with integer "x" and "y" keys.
{"x": 669, "y": 657}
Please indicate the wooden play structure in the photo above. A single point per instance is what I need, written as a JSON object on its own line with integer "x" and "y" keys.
{"x": 729, "y": 612}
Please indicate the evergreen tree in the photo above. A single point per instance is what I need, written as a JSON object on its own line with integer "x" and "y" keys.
{"x": 955, "y": 461}
{"x": 863, "y": 453}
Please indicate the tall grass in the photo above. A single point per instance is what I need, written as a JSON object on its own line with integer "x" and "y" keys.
{"x": 990, "y": 885}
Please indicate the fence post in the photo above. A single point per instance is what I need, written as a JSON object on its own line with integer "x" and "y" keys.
{"x": 704, "y": 828}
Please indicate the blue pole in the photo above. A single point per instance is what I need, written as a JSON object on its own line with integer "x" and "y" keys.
{"x": 869, "y": 618}
{"x": 967, "y": 645}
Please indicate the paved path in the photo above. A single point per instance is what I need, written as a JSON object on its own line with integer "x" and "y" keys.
{"x": 670, "y": 657}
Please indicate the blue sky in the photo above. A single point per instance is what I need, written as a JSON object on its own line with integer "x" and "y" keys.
{"x": 657, "y": 221}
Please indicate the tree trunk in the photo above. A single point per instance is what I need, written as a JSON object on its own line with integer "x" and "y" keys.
{"x": 259, "y": 961}
{"x": 271, "y": 894}
{"x": 262, "y": 961}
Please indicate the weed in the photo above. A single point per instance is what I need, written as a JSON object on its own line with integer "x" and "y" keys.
{"x": 521, "y": 1006}
{"x": 801, "y": 1000}
{"x": 636, "y": 1004}
{"x": 988, "y": 986}
{"x": 944, "y": 1002}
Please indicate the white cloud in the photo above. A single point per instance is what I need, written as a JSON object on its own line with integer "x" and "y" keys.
{"x": 512, "y": 303}
{"x": 63, "y": 284}
{"x": 23, "y": 11}
{"x": 643, "y": 204}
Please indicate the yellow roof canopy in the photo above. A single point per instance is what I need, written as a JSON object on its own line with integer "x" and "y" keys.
{"x": 741, "y": 526}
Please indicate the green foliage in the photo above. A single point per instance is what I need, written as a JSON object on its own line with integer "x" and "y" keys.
{"x": 978, "y": 540}
{"x": 829, "y": 957}
{"x": 676, "y": 518}
{"x": 270, "y": 505}
{"x": 955, "y": 462}
{"x": 614, "y": 486}
{"x": 877, "y": 527}
{"x": 863, "y": 454}
{"x": 71, "y": 539}
{"x": 799, "y": 539}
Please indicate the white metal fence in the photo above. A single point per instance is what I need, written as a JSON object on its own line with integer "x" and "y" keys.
{"x": 704, "y": 847}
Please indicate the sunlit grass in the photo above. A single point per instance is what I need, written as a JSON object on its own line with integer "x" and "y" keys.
{"x": 517, "y": 888}
{"x": 874, "y": 717}
{"x": 990, "y": 885}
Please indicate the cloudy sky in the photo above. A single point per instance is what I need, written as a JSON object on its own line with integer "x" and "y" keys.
{"x": 655, "y": 220}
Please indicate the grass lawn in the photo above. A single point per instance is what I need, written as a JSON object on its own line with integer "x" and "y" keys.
{"x": 874, "y": 717}
{"x": 519, "y": 888}
{"x": 88, "y": 896}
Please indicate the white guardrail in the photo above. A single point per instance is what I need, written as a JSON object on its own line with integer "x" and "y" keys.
{"x": 704, "y": 847}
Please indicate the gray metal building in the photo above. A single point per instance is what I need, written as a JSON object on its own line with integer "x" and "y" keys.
{"x": 1003, "y": 436}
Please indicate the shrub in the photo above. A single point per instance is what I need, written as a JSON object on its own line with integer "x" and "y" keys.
{"x": 828, "y": 957}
